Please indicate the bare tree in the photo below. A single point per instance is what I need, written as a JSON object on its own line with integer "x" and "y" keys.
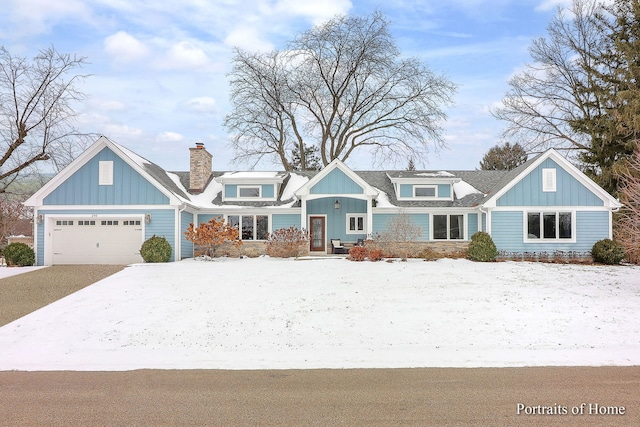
{"x": 12, "y": 211}
{"x": 342, "y": 86}
{"x": 401, "y": 236}
{"x": 627, "y": 228}
{"x": 36, "y": 112}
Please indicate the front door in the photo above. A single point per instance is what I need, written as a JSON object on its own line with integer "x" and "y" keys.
{"x": 317, "y": 232}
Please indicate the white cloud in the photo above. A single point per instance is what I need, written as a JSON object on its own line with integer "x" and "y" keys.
{"x": 548, "y": 5}
{"x": 124, "y": 48}
{"x": 315, "y": 11}
{"x": 248, "y": 38}
{"x": 169, "y": 137}
{"x": 184, "y": 55}
{"x": 202, "y": 104}
{"x": 32, "y": 17}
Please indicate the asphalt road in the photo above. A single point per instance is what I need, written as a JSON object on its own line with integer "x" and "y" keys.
{"x": 383, "y": 397}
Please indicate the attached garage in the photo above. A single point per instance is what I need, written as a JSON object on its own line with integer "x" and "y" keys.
{"x": 95, "y": 240}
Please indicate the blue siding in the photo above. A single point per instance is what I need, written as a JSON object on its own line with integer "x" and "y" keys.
{"x": 507, "y": 232}
{"x": 230, "y": 190}
{"x": 472, "y": 224}
{"x": 267, "y": 191}
{"x": 279, "y": 221}
{"x": 186, "y": 246}
{"x": 336, "y": 182}
{"x": 569, "y": 191}
{"x": 406, "y": 190}
{"x": 162, "y": 224}
{"x": 444, "y": 191}
{"x": 207, "y": 217}
{"x": 381, "y": 221}
{"x": 337, "y": 218}
{"x": 129, "y": 187}
{"x": 484, "y": 222}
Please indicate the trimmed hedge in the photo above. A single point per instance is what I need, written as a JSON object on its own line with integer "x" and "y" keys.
{"x": 607, "y": 251}
{"x": 19, "y": 254}
{"x": 156, "y": 249}
{"x": 481, "y": 248}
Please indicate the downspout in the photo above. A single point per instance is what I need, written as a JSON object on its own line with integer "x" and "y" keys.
{"x": 178, "y": 256}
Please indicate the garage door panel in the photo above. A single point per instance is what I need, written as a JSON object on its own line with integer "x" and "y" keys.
{"x": 97, "y": 241}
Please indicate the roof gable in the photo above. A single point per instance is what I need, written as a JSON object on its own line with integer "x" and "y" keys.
{"x": 336, "y": 178}
{"x": 522, "y": 186}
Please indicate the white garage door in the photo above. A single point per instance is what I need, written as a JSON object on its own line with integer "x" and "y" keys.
{"x": 96, "y": 241}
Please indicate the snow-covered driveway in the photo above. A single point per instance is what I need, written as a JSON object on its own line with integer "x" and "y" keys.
{"x": 332, "y": 313}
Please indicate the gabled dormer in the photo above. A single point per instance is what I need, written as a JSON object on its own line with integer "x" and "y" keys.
{"x": 419, "y": 186}
{"x": 251, "y": 186}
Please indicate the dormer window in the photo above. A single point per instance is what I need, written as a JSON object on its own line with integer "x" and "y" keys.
{"x": 249, "y": 192}
{"x": 424, "y": 191}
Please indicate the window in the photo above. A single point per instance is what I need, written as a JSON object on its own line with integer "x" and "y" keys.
{"x": 448, "y": 227}
{"x": 548, "y": 180}
{"x": 64, "y": 222}
{"x": 355, "y": 224}
{"x": 131, "y": 222}
{"x": 549, "y": 225}
{"x": 251, "y": 227}
{"x": 249, "y": 192}
{"x": 86, "y": 222}
{"x": 109, "y": 222}
{"x": 424, "y": 191}
{"x": 105, "y": 173}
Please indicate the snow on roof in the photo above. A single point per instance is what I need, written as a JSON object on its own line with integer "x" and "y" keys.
{"x": 249, "y": 174}
{"x": 295, "y": 182}
{"x": 383, "y": 200}
{"x": 462, "y": 189}
{"x": 435, "y": 174}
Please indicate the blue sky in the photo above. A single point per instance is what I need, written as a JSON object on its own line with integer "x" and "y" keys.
{"x": 158, "y": 69}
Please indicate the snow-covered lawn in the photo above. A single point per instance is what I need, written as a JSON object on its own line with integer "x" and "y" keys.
{"x": 332, "y": 313}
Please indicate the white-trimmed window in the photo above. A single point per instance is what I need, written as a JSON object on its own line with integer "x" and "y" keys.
{"x": 425, "y": 191}
{"x": 448, "y": 227}
{"x": 356, "y": 223}
{"x": 549, "y": 180}
{"x": 105, "y": 171}
{"x": 558, "y": 226}
{"x": 249, "y": 191}
{"x": 250, "y": 227}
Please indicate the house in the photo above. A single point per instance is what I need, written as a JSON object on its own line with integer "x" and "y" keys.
{"x": 103, "y": 206}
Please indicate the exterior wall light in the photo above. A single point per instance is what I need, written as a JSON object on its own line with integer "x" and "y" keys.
{"x": 336, "y": 205}
{"x": 147, "y": 218}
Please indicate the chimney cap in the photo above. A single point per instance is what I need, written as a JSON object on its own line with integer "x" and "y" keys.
{"x": 199, "y": 145}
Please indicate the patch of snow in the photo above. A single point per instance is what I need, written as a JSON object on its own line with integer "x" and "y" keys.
{"x": 250, "y": 174}
{"x": 383, "y": 200}
{"x": 435, "y": 174}
{"x": 270, "y": 313}
{"x": 463, "y": 188}
{"x": 295, "y": 182}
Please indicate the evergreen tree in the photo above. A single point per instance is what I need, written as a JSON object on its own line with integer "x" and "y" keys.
{"x": 311, "y": 161}
{"x": 505, "y": 157}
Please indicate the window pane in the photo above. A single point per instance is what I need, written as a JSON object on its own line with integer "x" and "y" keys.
{"x": 549, "y": 226}
{"x": 533, "y": 226}
{"x": 565, "y": 225}
{"x": 233, "y": 220}
{"x": 262, "y": 227}
{"x": 455, "y": 227}
{"x": 439, "y": 226}
{"x": 360, "y": 223}
{"x": 249, "y": 191}
{"x": 425, "y": 191}
{"x": 247, "y": 227}
{"x": 352, "y": 223}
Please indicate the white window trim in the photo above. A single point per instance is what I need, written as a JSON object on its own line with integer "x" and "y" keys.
{"x": 525, "y": 226}
{"x": 105, "y": 174}
{"x": 242, "y": 187}
{"x": 364, "y": 223}
{"x": 548, "y": 180}
{"x": 255, "y": 224}
{"x": 448, "y": 215}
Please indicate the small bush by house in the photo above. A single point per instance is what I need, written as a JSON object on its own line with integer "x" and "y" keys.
{"x": 375, "y": 254}
{"x": 358, "y": 253}
{"x": 19, "y": 254}
{"x": 607, "y": 251}
{"x": 156, "y": 249}
{"x": 287, "y": 243}
{"x": 481, "y": 248}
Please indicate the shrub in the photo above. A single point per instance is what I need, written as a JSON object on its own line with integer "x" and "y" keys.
{"x": 607, "y": 251}
{"x": 482, "y": 248}
{"x": 209, "y": 236}
{"x": 428, "y": 254}
{"x": 19, "y": 254}
{"x": 287, "y": 243}
{"x": 156, "y": 249}
{"x": 358, "y": 253}
{"x": 375, "y": 254}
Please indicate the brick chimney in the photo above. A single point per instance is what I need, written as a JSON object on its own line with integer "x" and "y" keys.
{"x": 199, "y": 168}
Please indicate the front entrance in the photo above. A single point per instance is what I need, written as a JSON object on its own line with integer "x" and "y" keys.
{"x": 317, "y": 234}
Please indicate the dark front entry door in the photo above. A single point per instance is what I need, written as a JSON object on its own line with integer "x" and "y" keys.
{"x": 316, "y": 230}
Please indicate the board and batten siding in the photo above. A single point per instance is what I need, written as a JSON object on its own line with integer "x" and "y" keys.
{"x": 128, "y": 188}
{"x": 336, "y": 182}
{"x": 279, "y": 221}
{"x": 337, "y": 218}
{"x": 162, "y": 224}
{"x": 186, "y": 247}
{"x": 507, "y": 231}
{"x": 472, "y": 224}
{"x": 569, "y": 191}
{"x": 381, "y": 223}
